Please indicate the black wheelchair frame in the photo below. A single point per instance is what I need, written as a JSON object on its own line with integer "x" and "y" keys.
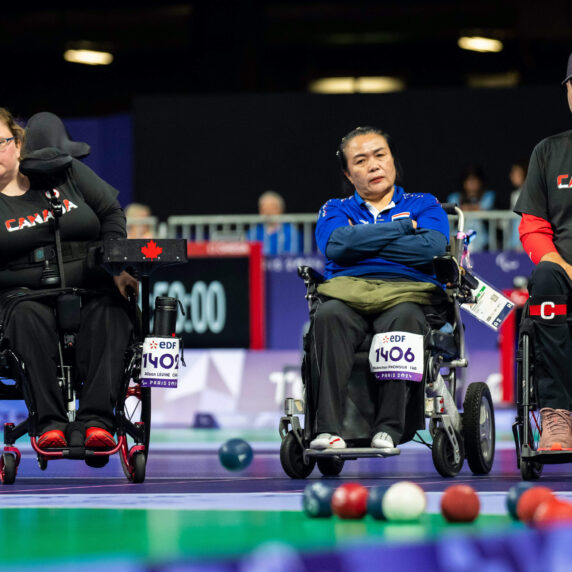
{"x": 455, "y": 435}
{"x": 527, "y": 428}
{"x": 135, "y": 422}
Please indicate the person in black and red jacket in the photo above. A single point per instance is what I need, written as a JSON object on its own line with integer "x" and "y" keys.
{"x": 91, "y": 213}
{"x": 545, "y": 204}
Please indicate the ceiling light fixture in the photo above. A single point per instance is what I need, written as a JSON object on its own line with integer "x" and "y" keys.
{"x": 366, "y": 84}
{"x": 479, "y": 44}
{"x": 88, "y": 57}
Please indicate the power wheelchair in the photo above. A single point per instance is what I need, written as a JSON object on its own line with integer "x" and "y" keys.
{"x": 527, "y": 428}
{"x": 455, "y": 435}
{"x": 133, "y": 420}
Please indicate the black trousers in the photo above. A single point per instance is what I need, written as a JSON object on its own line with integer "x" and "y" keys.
{"x": 338, "y": 331}
{"x": 103, "y": 336}
{"x": 553, "y": 343}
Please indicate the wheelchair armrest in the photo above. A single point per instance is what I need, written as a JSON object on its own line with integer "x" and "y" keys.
{"x": 469, "y": 280}
{"x": 309, "y": 275}
{"x": 447, "y": 269}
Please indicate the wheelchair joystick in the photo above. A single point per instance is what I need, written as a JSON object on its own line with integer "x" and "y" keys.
{"x": 50, "y": 277}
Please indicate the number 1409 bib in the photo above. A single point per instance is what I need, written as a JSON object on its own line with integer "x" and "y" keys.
{"x": 397, "y": 355}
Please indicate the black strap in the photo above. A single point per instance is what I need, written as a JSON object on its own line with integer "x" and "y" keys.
{"x": 37, "y": 257}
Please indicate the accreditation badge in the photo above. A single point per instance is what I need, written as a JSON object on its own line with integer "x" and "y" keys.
{"x": 160, "y": 362}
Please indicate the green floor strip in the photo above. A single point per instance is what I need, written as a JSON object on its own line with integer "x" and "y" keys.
{"x": 34, "y": 535}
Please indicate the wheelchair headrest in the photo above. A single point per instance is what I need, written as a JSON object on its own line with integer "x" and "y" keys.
{"x": 46, "y": 129}
{"x": 46, "y": 167}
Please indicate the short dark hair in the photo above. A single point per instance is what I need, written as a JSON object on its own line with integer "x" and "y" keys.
{"x": 366, "y": 130}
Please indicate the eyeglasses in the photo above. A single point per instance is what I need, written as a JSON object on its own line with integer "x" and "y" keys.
{"x": 4, "y": 142}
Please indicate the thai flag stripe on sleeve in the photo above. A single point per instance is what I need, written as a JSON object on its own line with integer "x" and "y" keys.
{"x": 400, "y": 215}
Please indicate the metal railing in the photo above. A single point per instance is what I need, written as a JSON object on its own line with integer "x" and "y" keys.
{"x": 498, "y": 225}
{"x": 240, "y": 227}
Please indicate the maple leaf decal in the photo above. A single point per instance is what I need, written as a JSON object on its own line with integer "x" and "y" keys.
{"x": 151, "y": 250}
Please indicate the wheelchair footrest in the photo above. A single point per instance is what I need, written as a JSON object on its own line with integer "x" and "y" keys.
{"x": 352, "y": 452}
{"x": 547, "y": 457}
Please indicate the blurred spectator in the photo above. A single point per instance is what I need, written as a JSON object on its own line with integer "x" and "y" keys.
{"x": 136, "y": 229}
{"x": 474, "y": 196}
{"x": 277, "y": 238}
{"x": 517, "y": 175}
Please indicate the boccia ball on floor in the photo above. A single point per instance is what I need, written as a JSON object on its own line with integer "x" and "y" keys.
{"x": 551, "y": 512}
{"x": 513, "y": 496}
{"x": 404, "y": 501}
{"x": 460, "y": 503}
{"x": 317, "y": 500}
{"x": 350, "y": 501}
{"x": 529, "y": 501}
{"x": 400, "y": 502}
{"x": 374, "y": 500}
{"x": 235, "y": 454}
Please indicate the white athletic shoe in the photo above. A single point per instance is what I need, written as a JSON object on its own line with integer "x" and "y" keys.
{"x": 327, "y": 441}
{"x": 382, "y": 441}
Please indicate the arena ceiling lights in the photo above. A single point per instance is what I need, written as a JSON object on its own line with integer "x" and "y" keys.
{"x": 366, "y": 84}
{"x": 479, "y": 44}
{"x": 88, "y": 57}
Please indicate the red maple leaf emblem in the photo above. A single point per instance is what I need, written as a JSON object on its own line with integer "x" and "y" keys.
{"x": 151, "y": 250}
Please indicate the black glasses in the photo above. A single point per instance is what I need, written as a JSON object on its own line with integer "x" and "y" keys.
{"x": 4, "y": 141}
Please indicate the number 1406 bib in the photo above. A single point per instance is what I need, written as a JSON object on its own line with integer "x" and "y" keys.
{"x": 397, "y": 355}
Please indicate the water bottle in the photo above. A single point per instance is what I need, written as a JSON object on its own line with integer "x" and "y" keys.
{"x": 165, "y": 318}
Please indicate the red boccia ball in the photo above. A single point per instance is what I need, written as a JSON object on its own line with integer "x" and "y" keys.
{"x": 350, "y": 501}
{"x": 460, "y": 503}
{"x": 530, "y": 500}
{"x": 552, "y": 511}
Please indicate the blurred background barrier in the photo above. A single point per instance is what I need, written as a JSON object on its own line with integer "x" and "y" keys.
{"x": 200, "y": 228}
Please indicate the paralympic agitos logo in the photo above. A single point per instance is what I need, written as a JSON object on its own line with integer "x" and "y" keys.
{"x": 564, "y": 181}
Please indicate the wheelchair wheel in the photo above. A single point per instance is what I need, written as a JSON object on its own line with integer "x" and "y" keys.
{"x": 146, "y": 416}
{"x": 8, "y": 469}
{"x": 42, "y": 462}
{"x": 479, "y": 428}
{"x": 292, "y": 458}
{"x": 330, "y": 466}
{"x": 138, "y": 415}
{"x": 444, "y": 456}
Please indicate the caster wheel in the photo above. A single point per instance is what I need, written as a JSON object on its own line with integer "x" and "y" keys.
{"x": 42, "y": 462}
{"x": 139, "y": 466}
{"x": 530, "y": 470}
{"x": 443, "y": 454}
{"x": 292, "y": 458}
{"x": 97, "y": 462}
{"x": 330, "y": 466}
{"x": 8, "y": 469}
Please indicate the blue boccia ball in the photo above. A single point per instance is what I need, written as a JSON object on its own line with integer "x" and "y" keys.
{"x": 235, "y": 454}
{"x": 374, "y": 502}
{"x": 317, "y": 500}
{"x": 514, "y": 494}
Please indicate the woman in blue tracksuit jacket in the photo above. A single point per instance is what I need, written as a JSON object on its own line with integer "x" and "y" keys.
{"x": 379, "y": 232}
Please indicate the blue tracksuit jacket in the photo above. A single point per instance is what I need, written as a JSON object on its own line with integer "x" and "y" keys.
{"x": 387, "y": 247}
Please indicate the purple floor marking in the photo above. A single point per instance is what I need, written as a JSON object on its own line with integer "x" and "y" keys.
{"x": 179, "y": 473}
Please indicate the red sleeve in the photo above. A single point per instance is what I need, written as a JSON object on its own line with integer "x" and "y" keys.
{"x": 536, "y": 235}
